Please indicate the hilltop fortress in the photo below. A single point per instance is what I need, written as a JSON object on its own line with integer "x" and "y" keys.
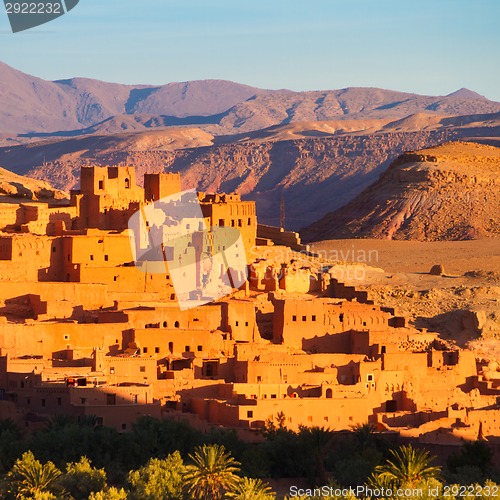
{"x": 84, "y": 330}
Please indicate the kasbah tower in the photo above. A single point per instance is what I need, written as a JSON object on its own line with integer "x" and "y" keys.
{"x": 86, "y": 331}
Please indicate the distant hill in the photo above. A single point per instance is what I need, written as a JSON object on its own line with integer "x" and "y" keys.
{"x": 266, "y": 110}
{"x": 18, "y": 189}
{"x": 449, "y": 192}
{"x": 30, "y": 105}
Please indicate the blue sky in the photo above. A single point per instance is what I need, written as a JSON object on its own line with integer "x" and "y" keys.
{"x": 424, "y": 46}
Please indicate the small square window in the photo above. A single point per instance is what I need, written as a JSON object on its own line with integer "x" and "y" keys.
{"x": 259, "y": 378}
{"x": 249, "y": 414}
{"x": 91, "y": 257}
{"x": 124, "y": 427}
{"x": 236, "y": 323}
{"x": 142, "y": 369}
{"x": 187, "y": 349}
{"x": 313, "y": 318}
{"x": 304, "y": 318}
{"x": 200, "y": 348}
{"x": 294, "y": 318}
{"x": 144, "y": 350}
{"x": 157, "y": 350}
{"x": 106, "y": 258}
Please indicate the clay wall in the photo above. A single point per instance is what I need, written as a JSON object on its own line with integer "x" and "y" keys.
{"x": 35, "y": 256}
{"x": 129, "y": 369}
{"x": 123, "y": 419}
{"x": 405, "y": 361}
{"x": 298, "y": 320}
{"x": 295, "y": 320}
{"x": 41, "y": 219}
{"x": 63, "y": 300}
{"x": 281, "y": 237}
{"x": 47, "y": 339}
{"x": 109, "y": 196}
{"x": 227, "y": 212}
{"x": 158, "y": 186}
{"x": 162, "y": 343}
{"x": 207, "y": 317}
{"x": 118, "y": 183}
{"x": 333, "y": 413}
{"x": 239, "y": 320}
{"x": 8, "y": 215}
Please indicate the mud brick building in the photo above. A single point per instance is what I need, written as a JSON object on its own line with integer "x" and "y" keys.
{"x": 83, "y": 330}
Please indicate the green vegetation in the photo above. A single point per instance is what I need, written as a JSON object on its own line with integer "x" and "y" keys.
{"x": 211, "y": 473}
{"x": 168, "y": 460}
{"x": 407, "y": 468}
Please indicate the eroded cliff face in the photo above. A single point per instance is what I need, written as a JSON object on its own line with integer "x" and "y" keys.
{"x": 450, "y": 192}
{"x": 315, "y": 176}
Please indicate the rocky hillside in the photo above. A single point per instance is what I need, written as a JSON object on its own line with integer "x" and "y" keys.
{"x": 449, "y": 192}
{"x": 16, "y": 189}
{"x": 315, "y": 175}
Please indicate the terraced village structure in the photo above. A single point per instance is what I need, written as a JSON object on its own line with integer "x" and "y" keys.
{"x": 84, "y": 331}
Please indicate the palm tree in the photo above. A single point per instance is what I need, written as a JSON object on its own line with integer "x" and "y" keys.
{"x": 212, "y": 472}
{"x": 317, "y": 442}
{"x": 363, "y": 435}
{"x": 249, "y": 488}
{"x": 407, "y": 467}
{"x": 60, "y": 421}
{"x": 28, "y": 477}
{"x": 8, "y": 425}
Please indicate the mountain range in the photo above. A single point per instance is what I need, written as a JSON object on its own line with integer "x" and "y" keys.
{"x": 316, "y": 150}
{"x": 31, "y": 105}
